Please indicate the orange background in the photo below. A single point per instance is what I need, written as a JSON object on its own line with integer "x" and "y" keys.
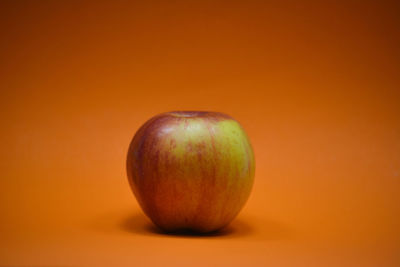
{"x": 316, "y": 85}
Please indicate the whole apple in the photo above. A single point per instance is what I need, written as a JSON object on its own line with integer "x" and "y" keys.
{"x": 191, "y": 170}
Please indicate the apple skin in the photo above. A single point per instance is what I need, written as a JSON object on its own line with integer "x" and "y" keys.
{"x": 191, "y": 170}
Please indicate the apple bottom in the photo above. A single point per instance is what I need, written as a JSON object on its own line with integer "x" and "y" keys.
{"x": 199, "y": 205}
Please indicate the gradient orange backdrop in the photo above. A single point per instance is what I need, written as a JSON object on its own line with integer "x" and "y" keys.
{"x": 316, "y": 85}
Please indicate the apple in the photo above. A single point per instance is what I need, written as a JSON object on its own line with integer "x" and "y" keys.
{"x": 191, "y": 170}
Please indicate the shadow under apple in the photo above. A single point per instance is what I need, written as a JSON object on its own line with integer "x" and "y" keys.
{"x": 138, "y": 224}
{"x": 248, "y": 227}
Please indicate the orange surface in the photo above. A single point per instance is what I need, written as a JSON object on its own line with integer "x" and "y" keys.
{"x": 316, "y": 85}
